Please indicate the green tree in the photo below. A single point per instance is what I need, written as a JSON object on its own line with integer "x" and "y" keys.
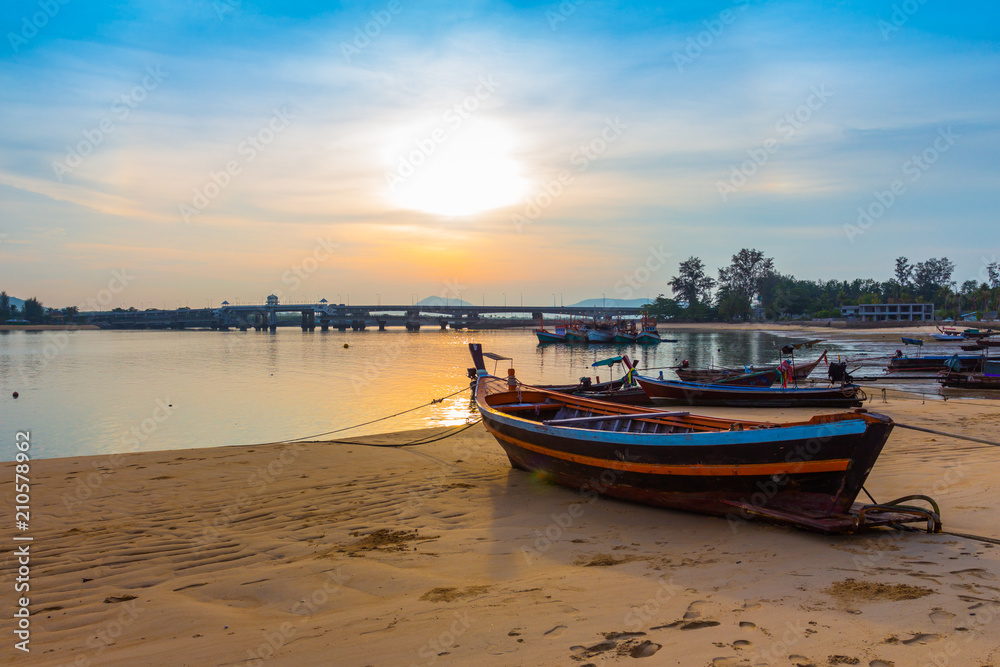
{"x": 691, "y": 283}
{"x": 741, "y": 280}
{"x": 931, "y": 277}
{"x": 4, "y": 307}
{"x": 33, "y": 310}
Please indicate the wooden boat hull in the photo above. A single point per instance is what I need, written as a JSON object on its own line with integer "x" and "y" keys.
{"x": 810, "y": 471}
{"x": 625, "y": 338}
{"x": 947, "y": 338}
{"x": 648, "y": 338}
{"x": 696, "y": 393}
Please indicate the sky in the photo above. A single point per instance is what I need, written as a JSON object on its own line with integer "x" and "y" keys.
{"x": 161, "y": 154}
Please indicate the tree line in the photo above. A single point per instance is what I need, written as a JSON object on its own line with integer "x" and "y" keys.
{"x": 750, "y": 287}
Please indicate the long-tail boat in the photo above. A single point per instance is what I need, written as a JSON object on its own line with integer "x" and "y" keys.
{"x": 932, "y": 362}
{"x": 701, "y": 393}
{"x": 714, "y": 375}
{"x": 989, "y": 378}
{"x": 805, "y": 473}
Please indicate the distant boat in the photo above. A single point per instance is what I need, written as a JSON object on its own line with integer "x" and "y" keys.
{"x": 649, "y": 335}
{"x": 947, "y": 338}
{"x": 800, "y": 371}
{"x": 912, "y": 341}
{"x": 600, "y": 336}
{"x": 557, "y": 335}
{"x": 697, "y": 463}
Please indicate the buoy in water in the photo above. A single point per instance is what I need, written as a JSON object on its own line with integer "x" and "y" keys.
{"x": 346, "y": 346}
{"x": 16, "y": 394}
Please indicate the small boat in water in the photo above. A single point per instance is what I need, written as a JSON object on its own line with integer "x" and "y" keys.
{"x": 557, "y": 335}
{"x": 806, "y": 473}
{"x": 648, "y": 335}
{"x": 626, "y": 332}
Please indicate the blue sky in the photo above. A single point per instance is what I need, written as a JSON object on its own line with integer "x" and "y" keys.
{"x": 240, "y": 148}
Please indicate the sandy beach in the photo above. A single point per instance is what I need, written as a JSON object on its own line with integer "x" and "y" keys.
{"x": 345, "y": 554}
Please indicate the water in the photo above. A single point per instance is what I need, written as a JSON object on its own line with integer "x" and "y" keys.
{"x": 103, "y": 392}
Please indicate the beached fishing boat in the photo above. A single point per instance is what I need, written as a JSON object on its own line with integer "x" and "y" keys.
{"x": 700, "y": 393}
{"x": 715, "y": 375}
{"x": 806, "y": 473}
{"x": 989, "y": 378}
{"x": 947, "y": 338}
{"x": 932, "y": 362}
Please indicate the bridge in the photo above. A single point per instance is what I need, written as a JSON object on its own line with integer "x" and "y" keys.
{"x": 342, "y": 317}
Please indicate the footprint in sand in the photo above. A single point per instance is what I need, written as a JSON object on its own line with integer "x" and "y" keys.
{"x": 922, "y": 638}
{"x": 726, "y": 662}
{"x": 977, "y": 572}
{"x": 939, "y": 615}
{"x": 747, "y": 625}
{"x": 695, "y": 610}
{"x": 556, "y": 631}
{"x": 644, "y": 650}
{"x": 881, "y": 663}
{"x": 741, "y": 643}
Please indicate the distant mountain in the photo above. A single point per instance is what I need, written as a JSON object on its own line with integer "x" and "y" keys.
{"x": 17, "y": 302}
{"x": 610, "y": 303}
{"x": 441, "y": 301}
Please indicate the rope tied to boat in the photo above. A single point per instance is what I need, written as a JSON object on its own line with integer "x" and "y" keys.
{"x": 957, "y": 436}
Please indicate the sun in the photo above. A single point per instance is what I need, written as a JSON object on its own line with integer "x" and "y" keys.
{"x": 457, "y": 171}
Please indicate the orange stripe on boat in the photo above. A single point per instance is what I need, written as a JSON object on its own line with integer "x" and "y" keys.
{"x": 695, "y": 470}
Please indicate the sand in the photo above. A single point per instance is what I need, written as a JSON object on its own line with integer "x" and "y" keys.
{"x": 334, "y": 554}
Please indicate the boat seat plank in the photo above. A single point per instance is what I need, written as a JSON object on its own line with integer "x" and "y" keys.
{"x": 606, "y": 418}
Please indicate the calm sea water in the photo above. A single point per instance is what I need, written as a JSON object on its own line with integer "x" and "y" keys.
{"x": 103, "y": 392}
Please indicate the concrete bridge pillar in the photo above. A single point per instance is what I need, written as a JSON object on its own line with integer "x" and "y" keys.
{"x": 272, "y": 320}
{"x": 324, "y": 322}
{"x": 381, "y": 325}
{"x": 341, "y": 325}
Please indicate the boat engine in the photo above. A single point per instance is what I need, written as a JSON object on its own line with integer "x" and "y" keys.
{"x": 838, "y": 373}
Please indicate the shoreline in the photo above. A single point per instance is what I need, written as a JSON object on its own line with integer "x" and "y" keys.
{"x": 49, "y": 327}
{"x": 442, "y": 554}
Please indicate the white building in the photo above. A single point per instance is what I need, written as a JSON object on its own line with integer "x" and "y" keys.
{"x": 883, "y": 312}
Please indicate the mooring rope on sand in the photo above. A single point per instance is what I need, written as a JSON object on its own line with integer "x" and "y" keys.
{"x": 373, "y": 421}
{"x": 957, "y": 436}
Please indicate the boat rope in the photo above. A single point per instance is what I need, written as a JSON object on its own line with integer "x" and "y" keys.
{"x": 957, "y": 436}
{"x": 373, "y": 421}
{"x": 911, "y": 529}
{"x": 426, "y": 440}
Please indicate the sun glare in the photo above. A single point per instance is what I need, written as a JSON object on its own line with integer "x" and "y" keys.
{"x": 457, "y": 172}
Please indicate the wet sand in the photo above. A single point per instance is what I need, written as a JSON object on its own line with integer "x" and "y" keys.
{"x": 440, "y": 554}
